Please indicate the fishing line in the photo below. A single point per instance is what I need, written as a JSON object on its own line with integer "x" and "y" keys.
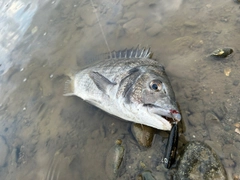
{"x": 100, "y": 25}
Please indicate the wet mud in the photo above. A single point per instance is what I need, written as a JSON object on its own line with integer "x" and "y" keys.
{"x": 44, "y": 135}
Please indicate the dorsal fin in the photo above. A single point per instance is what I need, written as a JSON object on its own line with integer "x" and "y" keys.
{"x": 131, "y": 53}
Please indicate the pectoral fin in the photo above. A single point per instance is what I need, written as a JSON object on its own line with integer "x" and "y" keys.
{"x": 101, "y": 82}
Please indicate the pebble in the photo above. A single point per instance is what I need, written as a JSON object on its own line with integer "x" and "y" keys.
{"x": 196, "y": 119}
{"x": 227, "y": 71}
{"x": 143, "y": 134}
{"x": 222, "y": 52}
{"x": 154, "y": 30}
{"x": 3, "y": 152}
{"x": 235, "y": 82}
{"x": 200, "y": 162}
{"x": 114, "y": 160}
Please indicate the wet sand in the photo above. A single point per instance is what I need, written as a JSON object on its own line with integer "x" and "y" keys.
{"x": 44, "y": 135}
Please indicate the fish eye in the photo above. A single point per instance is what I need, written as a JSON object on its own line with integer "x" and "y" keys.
{"x": 156, "y": 85}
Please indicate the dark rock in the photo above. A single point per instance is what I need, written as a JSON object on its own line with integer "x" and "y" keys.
{"x": 235, "y": 82}
{"x": 200, "y": 162}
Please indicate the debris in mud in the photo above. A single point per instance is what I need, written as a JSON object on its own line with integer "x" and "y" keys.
{"x": 200, "y": 162}
{"x": 143, "y": 134}
{"x": 222, "y": 53}
{"x": 227, "y": 71}
{"x": 114, "y": 160}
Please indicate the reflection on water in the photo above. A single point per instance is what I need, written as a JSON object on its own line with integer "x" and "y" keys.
{"x": 44, "y": 135}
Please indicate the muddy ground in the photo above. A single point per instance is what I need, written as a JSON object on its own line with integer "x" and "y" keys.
{"x": 44, "y": 135}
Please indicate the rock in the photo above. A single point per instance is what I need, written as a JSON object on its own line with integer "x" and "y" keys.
{"x": 222, "y": 52}
{"x": 134, "y": 26}
{"x": 143, "y": 134}
{"x": 196, "y": 119}
{"x": 236, "y": 82}
{"x": 200, "y": 162}
{"x": 154, "y": 30}
{"x": 3, "y": 152}
{"x": 114, "y": 160}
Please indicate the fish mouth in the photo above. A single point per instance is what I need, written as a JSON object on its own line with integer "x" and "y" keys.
{"x": 170, "y": 115}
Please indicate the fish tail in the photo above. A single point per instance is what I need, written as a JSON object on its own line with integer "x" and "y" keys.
{"x": 69, "y": 87}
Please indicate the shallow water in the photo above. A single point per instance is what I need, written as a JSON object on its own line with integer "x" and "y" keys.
{"x": 47, "y": 136}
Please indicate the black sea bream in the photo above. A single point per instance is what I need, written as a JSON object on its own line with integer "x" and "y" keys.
{"x": 130, "y": 85}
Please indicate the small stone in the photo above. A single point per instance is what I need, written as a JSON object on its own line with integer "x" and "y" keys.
{"x": 143, "y": 134}
{"x": 114, "y": 160}
{"x": 235, "y": 82}
{"x": 222, "y": 52}
{"x": 196, "y": 119}
{"x": 34, "y": 30}
{"x": 154, "y": 30}
{"x": 25, "y": 79}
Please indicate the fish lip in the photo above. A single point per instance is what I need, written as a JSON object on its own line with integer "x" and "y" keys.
{"x": 172, "y": 116}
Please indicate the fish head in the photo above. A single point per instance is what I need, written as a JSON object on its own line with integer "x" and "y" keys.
{"x": 154, "y": 91}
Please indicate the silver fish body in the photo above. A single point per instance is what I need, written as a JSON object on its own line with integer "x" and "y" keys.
{"x": 129, "y": 85}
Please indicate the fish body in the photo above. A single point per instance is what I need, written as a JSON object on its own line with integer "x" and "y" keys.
{"x": 130, "y": 85}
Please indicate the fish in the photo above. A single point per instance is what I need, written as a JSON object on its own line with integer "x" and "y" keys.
{"x": 128, "y": 84}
